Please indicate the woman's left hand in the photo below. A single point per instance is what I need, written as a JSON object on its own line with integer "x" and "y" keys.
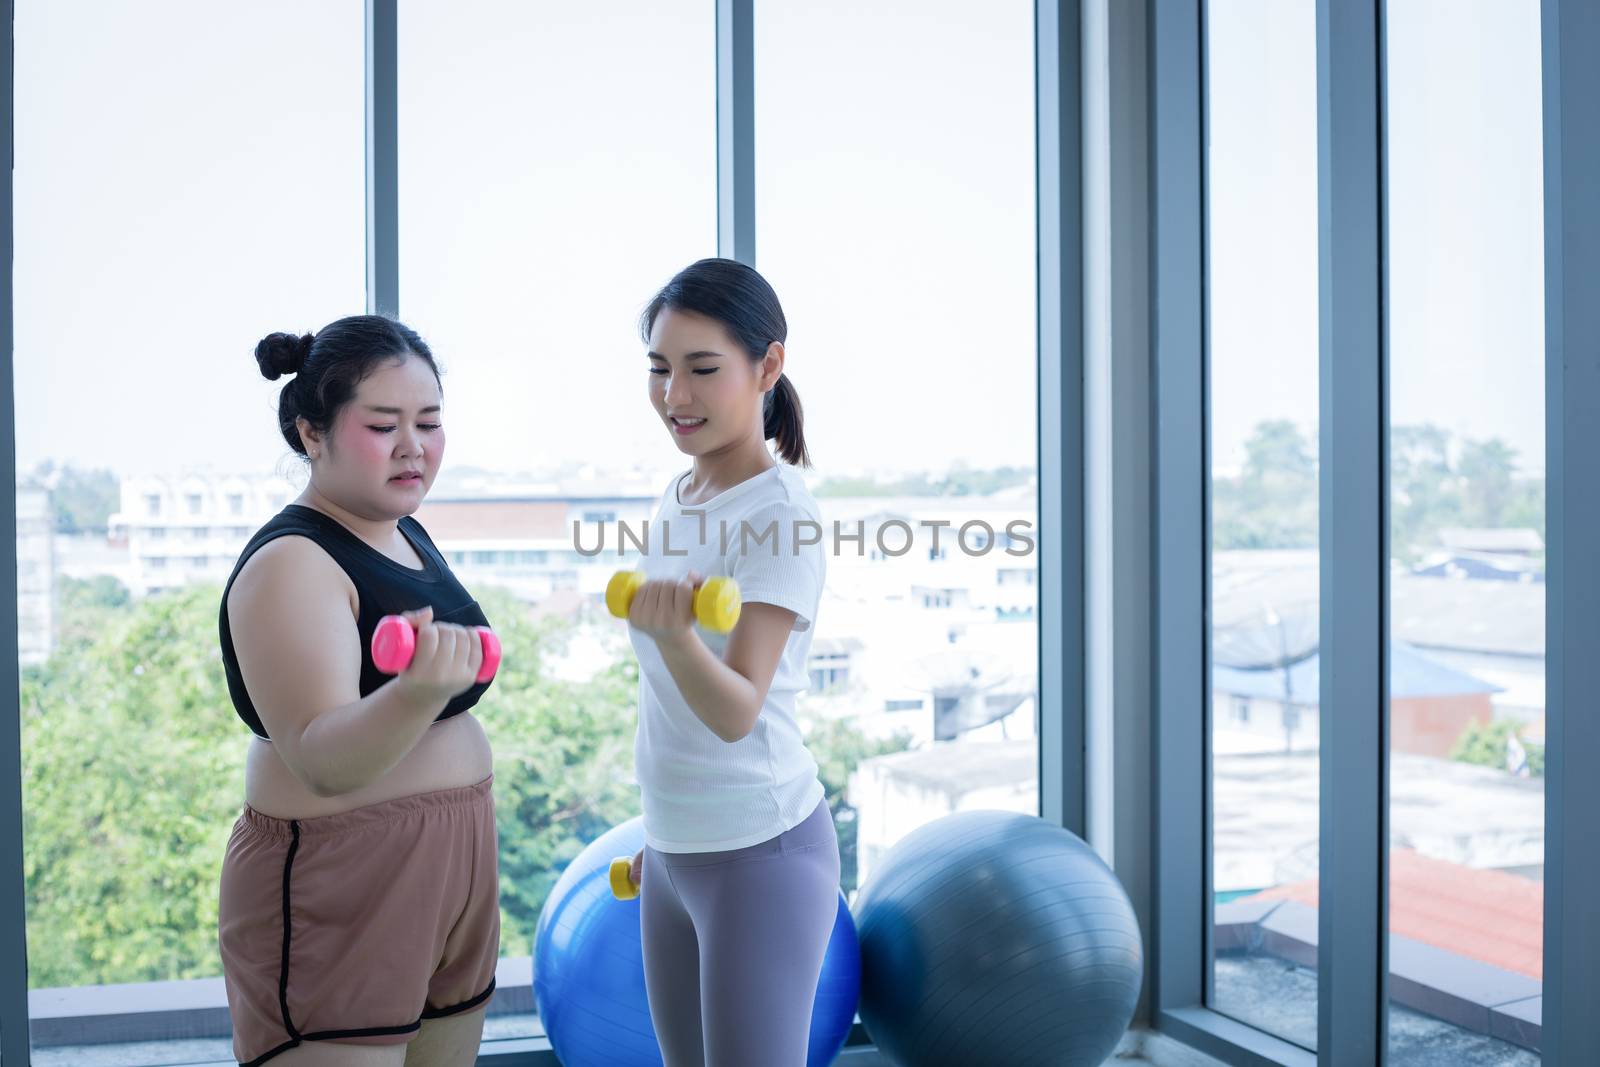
{"x": 664, "y": 608}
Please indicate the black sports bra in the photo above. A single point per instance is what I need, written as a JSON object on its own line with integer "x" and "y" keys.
{"x": 383, "y": 587}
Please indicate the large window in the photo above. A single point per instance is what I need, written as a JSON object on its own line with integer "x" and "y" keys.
{"x": 1261, "y": 116}
{"x": 188, "y": 178}
{"x": 557, "y": 165}
{"x": 175, "y": 202}
{"x": 895, "y": 218}
{"x": 1467, "y": 529}
{"x": 1355, "y": 221}
{"x": 1347, "y": 244}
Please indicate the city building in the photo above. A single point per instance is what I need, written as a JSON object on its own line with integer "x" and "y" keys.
{"x": 190, "y": 528}
{"x": 36, "y": 575}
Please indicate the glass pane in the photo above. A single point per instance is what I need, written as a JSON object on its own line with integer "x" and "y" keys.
{"x": 895, "y": 202}
{"x": 188, "y": 178}
{"x": 557, "y": 165}
{"x": 1466, "y": 675}
{"x": 1261, "y": 115}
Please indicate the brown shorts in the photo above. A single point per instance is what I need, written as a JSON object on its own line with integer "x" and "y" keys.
{"x": 356, "y": 927}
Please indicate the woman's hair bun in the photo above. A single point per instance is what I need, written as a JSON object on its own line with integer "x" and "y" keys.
{"x": 279, "y": 354}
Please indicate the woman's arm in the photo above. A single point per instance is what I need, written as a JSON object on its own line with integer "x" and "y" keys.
{"x": 726, "y": 694}
{"x": 292, "y": 614}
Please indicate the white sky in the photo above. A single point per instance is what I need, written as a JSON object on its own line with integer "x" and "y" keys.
{"x": 189, "y": 177}
{"x": 1465, "y": 212}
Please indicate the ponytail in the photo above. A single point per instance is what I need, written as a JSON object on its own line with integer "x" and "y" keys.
{"x": 784, "y": 419}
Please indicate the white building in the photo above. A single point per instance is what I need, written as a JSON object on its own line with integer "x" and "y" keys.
{"x": 928, "y": 625}
{"x": 940, "y": 646}
{"x": 894, "y": 795}
{"x": 1484, "y": 626}
{"x": 542, "y": 540}
{"x": 186, "y": 529}
{"x": 36, "y": 575}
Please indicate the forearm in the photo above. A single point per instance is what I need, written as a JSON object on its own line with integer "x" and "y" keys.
{"x": 351, "y": 747}
{"x": 722, "y": 698}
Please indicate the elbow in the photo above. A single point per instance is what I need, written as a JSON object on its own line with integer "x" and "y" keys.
{"x": 328, "y": 782}
{"x": 733, "y": 733}
{"x": 322, "y": 787}
{"x": 323, "y": 782}
{"x": 323, "y": 778}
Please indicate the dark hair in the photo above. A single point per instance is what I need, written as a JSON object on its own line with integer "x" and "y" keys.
{"x": 329, "y": 365}
{"x": 739, "y": 298}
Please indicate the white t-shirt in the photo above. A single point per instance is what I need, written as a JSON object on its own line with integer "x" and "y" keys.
{"x": 700, "y": 793}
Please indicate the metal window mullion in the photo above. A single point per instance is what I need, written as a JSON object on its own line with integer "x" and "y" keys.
{"x": 1177, "y": 301}
{"x": 736, "y": 131}
{"x": 1570, "y": 38}
{"x": 1058, "y": 118}
{"x": 13, "y": 907}
{"x": 382, "y": 157}
{"x": 1351, "y": 936}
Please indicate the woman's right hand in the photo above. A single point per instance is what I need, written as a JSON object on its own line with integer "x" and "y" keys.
{"x": 636, "y": 868}
{"x": 446, "y": 661}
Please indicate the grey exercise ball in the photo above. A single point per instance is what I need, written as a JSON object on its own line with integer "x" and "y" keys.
{"x": 992, "y": 938}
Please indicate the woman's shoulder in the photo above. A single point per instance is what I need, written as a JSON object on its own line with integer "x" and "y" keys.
{"x": 291, "y": 537}
{"x": 785, "y": 494}
{"x": 782, "y": 513}
{"x": 290, "y": 560}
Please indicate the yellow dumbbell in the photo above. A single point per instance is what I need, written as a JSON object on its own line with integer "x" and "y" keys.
{"x": 623, "y": 886}
{"x": 716, "y": 602}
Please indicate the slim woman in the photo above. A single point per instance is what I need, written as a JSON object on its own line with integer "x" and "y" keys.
{"x": 739, "y": 879}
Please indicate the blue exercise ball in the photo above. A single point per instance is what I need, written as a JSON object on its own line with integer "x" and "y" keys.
{"x": 993, "y": 939}
{"x": 588, "y": 969}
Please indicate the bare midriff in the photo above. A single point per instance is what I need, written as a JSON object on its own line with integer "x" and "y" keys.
{"x": 451, "y": 754}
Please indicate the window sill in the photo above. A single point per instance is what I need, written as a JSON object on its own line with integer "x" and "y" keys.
{"x": 1467, "y": 993}
{"x": 194, "y": 1010}
{"x": 186, "y": 1022}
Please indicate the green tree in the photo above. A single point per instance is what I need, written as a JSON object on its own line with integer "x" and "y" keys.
{"x": 83, "y": 500}
{"x": 1486, "y": 469}
{"x": 1485, "y": 744}
{"x": 1278, "y": 458}
{"x": 1424, "y": 491}
{"x": 1435, "y": 485}
{"x": 1526, "y": 507}
{"x": 133, "y": 765}
{"x": 1273, "y": 501}
{"x": 960, "y": 480}
{"x": 133, "y": 776}
{"x": 84, "y": 607}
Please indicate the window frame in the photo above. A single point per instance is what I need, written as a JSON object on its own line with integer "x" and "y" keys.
{"x": 13, "y": 900}
{"x": 1352, "y": 974}
{"x": 1352, "y": 979}
{"x": 1353, "y": 966}
{"x": 1059, "y": 276}
{"x": 1570, "y": 29}
{"x": 166, "y": 1011}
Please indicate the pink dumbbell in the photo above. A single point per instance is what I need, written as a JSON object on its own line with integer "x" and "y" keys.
{"x": 394, "y": 642}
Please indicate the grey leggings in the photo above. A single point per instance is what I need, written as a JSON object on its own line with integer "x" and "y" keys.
{"x": 733, "y": 946}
